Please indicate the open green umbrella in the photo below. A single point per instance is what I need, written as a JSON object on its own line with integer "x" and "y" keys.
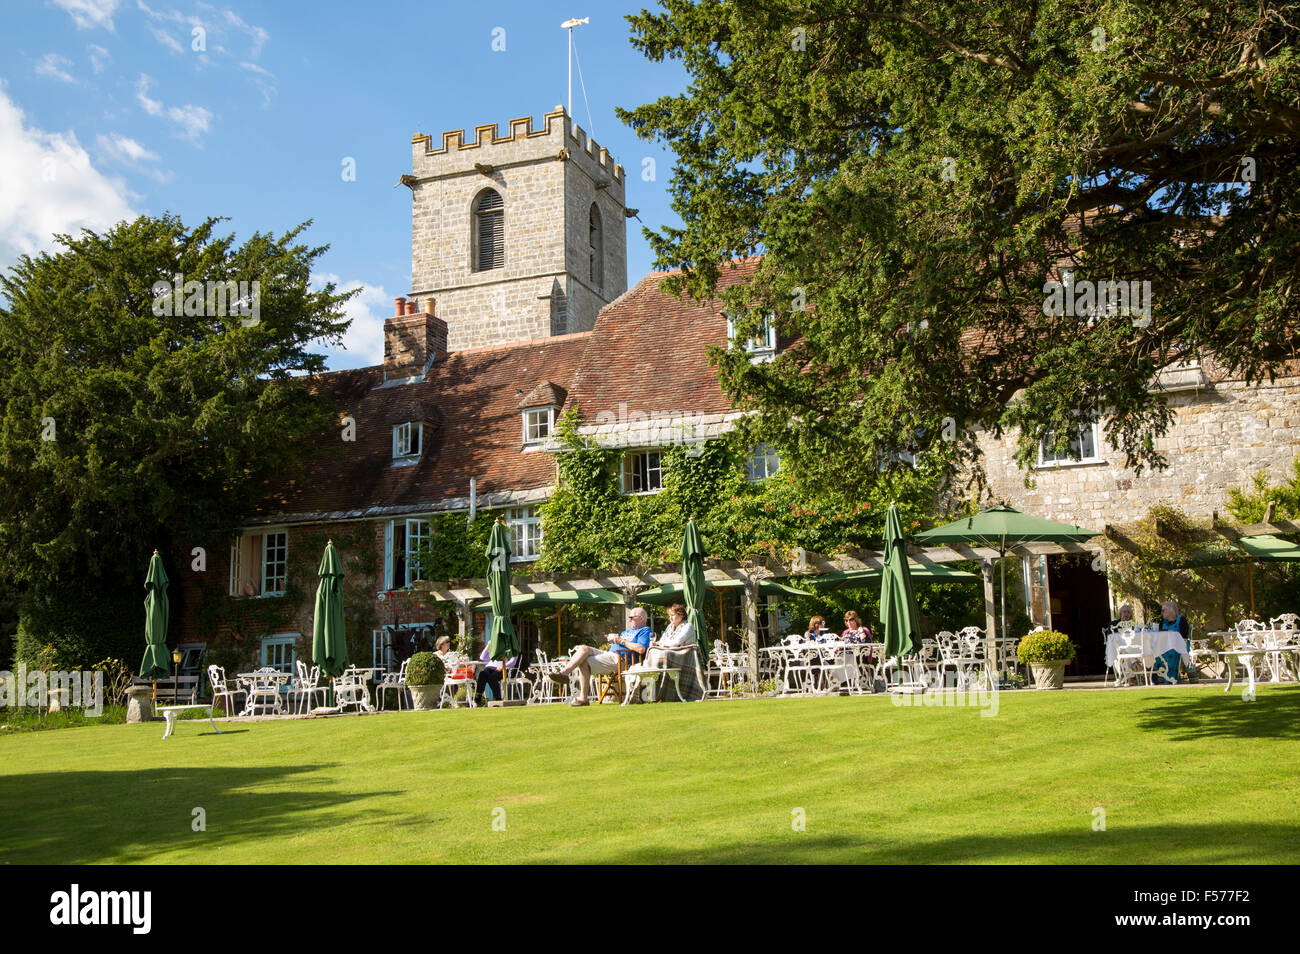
{"x": 1001, "y": 527}
{"x": 156, "y": 663}
{"x": 898, "y": 610}
{"x": 502, "y": 643}
{"x": 693, "y": 584}
{"x": 329, "y": 647}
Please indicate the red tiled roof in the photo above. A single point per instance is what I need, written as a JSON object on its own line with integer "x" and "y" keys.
{"x": 469, "y": 403}
{"x": 648, "y": 349}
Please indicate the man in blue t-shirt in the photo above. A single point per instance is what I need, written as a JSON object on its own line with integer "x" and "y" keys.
{"x": 586, "y": 660}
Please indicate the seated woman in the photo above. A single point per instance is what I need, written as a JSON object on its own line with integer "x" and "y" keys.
{"x": 675, "y": 649}
{"x": 816, "y": 629}
{"x": 1165, "y": 667}
{"x": 1125, "y": 615}
{"x": 854, "y": 631}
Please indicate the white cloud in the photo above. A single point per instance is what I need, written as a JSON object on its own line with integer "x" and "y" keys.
{"x": 265, "y": 81}
{"x": 88, "y": 14}
{"x": 166, "y": 39}
{"x": 48, "y": 185}
{"x": 192, "y": 120}
{"x": 55, "y": 67}
{"x": 125, "y": 151}
{"x": 99, "y": 57}
{"x": 258, "y": 35}
{"x": 363, "y": 342}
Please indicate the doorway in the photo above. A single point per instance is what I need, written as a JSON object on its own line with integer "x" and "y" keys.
{"x": 1080, "y": 609}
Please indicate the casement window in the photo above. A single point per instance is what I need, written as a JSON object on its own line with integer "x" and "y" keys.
{"x": 643, "y": 472}
{"x": 259, "y": 563}
{"x": 762, "y": 463}
{"x": 761, "y": 344}
{"x": 596, "y": 248}
{"x": 403, "y": 540}
{"x": 538, "y": 424}
{"x": 1084, "y": 447}
{"x": 489, "y": 237}
{"x": 407, "y": 440}
{"x": 278, "y": 651}
{"x": 525, "y": 528}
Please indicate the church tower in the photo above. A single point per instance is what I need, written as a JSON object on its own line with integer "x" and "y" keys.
{"x": 518, "y": 236}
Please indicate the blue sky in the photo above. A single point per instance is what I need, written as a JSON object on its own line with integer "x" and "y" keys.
{"x": 107, "y": 110}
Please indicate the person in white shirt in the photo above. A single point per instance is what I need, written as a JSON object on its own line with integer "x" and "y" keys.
{"x": 679, "y": 633}
{"x": 673, "y": 650}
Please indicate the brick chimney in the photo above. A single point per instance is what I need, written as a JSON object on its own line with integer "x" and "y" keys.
{"x": 412, "y": 340}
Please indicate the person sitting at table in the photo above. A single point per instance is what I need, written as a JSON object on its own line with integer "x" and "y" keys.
{"x": 854, "y": 631}
{"x": 674, "y": 650}
{"x": 588, "y": 661}
{"x": 816, "y": 629}
{"x": 1125, "y": 615}
{"x": 489, "y": 677}
{"x": 1165, "y": 667}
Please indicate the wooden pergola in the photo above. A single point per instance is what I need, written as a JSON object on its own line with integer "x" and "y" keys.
{"x": 800, "y": 564}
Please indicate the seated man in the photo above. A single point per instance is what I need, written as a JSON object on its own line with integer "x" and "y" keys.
{"x": 585, "y": 660}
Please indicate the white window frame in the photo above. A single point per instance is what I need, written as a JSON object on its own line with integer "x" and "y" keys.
{"x": 289, "y": 640}
{"x": 525, "y": 526}
{"x": 402, "y": 440}
{"x": 267, "y": 579}
{"x": 771, "y": 462}
{"x": 766, "y": 345}
{"x": 550, "y": 423}
{"x": 625, "y": 470}
{"x": 1045, "y": 463}
{"x": 410, "y": 545}
{"x": 417, "y": 530}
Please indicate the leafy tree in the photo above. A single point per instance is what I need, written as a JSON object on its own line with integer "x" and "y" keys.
{"x": 1250, "y": 506}
{"x": 913, "y": 175}
{"x": 127, "y": 419}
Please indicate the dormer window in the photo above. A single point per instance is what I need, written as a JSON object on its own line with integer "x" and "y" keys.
{"x": 762, "y": 344}
{"x": 538, "y": 424}
{"x": 406, "y": 441}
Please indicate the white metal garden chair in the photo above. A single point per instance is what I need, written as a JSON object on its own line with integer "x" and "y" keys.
{"x": 350, "y": 690}
{"x": 1130, "y": 658}
{"x": 393, "y": 681}
{"x": 220, "y": 690}
{"x": 516, "y": 678}
{"x": 1283, "y": 643}
{"x": 545, "y": 689}
{"x": 306, "y": 686}
{"x": 459, "y": 674}
{"x": 264, "y": 692}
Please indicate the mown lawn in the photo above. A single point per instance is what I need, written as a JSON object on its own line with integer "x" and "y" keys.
{"x": 1184, "y": 776}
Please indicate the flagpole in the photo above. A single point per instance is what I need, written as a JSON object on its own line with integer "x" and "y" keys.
{"x": 569, "y": 25}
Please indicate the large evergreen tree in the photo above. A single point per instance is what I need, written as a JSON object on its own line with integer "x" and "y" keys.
{"x": 914, "y": 173}
{"x": 130, "y": 416}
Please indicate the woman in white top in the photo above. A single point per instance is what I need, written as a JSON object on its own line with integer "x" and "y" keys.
{"x": 679, "y": 633}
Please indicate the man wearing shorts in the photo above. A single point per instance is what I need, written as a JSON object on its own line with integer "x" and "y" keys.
{"x": 586, "y": 660}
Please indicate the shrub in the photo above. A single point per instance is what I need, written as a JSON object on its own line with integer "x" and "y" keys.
{"x": 1045, "y": 646}
{"x": 425, "y": 669}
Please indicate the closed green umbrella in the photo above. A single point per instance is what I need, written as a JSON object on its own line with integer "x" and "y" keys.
{"x": 898, "y": 610}
{"x": 502, "y": 643}
{"x": 329, "y": 647}
{"x": 156, "y": 663}
{"x": 693, "y": 584}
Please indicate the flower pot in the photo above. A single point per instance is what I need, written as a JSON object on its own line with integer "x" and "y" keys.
{"x": 1049, "y": 675}
{"x": 424, "y": 697}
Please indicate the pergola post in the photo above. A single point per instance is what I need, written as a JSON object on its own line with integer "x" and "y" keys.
{"x": 465, "y": 627}
{"x": 990, "y": 618}
{"x": 749, "y": 598}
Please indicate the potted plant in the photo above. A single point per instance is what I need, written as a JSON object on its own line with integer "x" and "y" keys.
{"x": 1045, "y": 653}
{"x": 424, "y": 677}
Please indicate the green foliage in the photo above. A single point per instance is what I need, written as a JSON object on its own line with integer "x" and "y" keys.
{"x": 898, "y": 163}
{"x": 455, "y": 547}
{"x": 117, "y": 679}
{"x": 425, "y": 669}
{"x": 81, "y": 628}
{"x": 1250, "y": 506}
{"x": 1045, "y": 646}
{"x": 590, "y": 524}
{"x": 121, "y": 425}
{"x": 35, "y": 720}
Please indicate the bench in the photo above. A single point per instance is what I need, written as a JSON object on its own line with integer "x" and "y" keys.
{"x": 178, "y": 690}
{"x": 171, "y": 712}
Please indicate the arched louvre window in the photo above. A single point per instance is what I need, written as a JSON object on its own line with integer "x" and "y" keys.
{"x": 489, "y": 231}
{"x": 596, "y": 239}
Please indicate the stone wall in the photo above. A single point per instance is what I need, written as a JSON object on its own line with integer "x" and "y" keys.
{"x": 1222, "y": 434}
{"x": 548, "y": 180}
